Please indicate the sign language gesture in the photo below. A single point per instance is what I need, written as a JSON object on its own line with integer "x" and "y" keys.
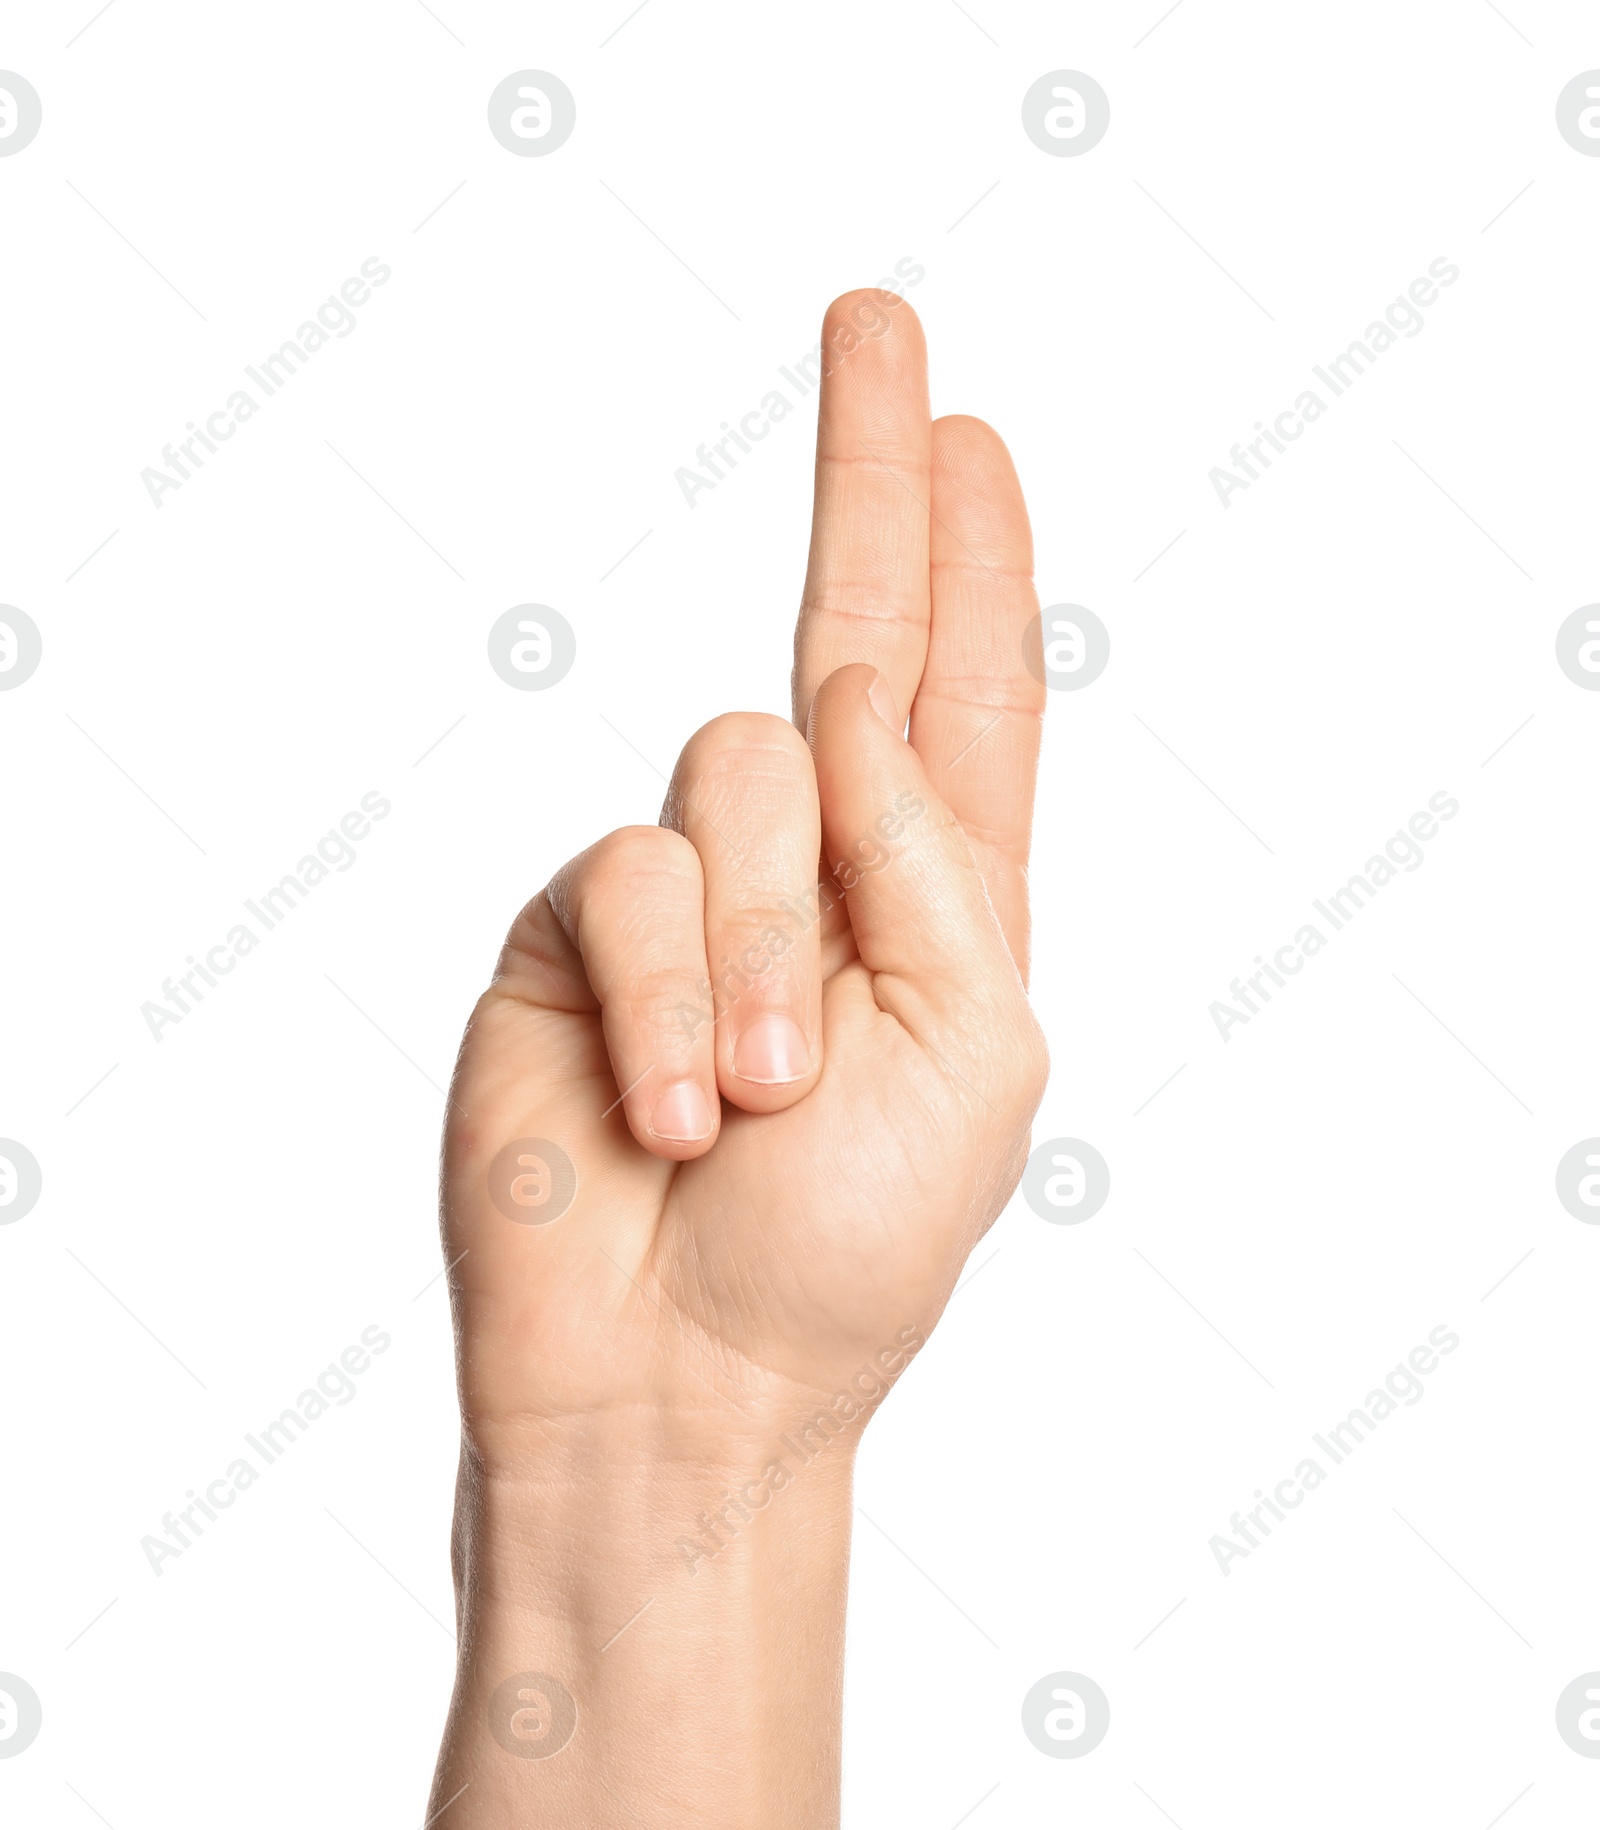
{"x": 724, "y": 1129}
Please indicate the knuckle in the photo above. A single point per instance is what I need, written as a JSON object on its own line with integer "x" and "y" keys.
{"x": 656, "y": 994}
{"x": 875, "y": 594}
{"x": 738, "y": 741}
{"x": 765, "y": 935}
{"x": 630, "y": 877}
{"x": 635, "y": 854}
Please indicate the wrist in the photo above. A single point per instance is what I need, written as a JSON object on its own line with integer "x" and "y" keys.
{"x": 626, "y": 1511}
{"x": 681, "y": 1604}
{"x": 680, "y": 1423}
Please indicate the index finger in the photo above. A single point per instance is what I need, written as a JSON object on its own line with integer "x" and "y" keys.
{"x": 866, "y": 594}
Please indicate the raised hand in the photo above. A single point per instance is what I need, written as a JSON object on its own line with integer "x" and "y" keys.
{"x": 721, "y": 1139}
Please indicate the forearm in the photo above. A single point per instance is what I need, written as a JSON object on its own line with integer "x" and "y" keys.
{"x": 690, "y": 1605}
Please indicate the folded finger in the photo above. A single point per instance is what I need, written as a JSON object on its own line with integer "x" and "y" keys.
{"x": 634, "y": 907}
{"x": 921, "y": 916}
{"x": 745, "y": 794}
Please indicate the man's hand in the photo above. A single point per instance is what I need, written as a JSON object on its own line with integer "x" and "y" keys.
{"x": 782, "y": 1113}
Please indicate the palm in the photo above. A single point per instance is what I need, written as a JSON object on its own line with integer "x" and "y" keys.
{"x": 831, "y": 1210}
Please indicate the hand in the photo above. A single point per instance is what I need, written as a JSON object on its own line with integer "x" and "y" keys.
{"x": 779, "y": 1173}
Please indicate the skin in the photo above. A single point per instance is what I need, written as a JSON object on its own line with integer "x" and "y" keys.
{"x": 663, "y": 1386}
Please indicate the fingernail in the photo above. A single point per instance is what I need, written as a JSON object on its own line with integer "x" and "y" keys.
{"x": 772, "y": 1052}
{"x": 883, "y": 704}
{"x": 681, "y": 1115}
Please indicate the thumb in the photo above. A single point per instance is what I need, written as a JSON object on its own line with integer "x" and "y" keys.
{"x": 923, "y": 923}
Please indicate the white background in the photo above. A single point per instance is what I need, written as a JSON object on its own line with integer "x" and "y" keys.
{"x": 1338, "y": 644}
